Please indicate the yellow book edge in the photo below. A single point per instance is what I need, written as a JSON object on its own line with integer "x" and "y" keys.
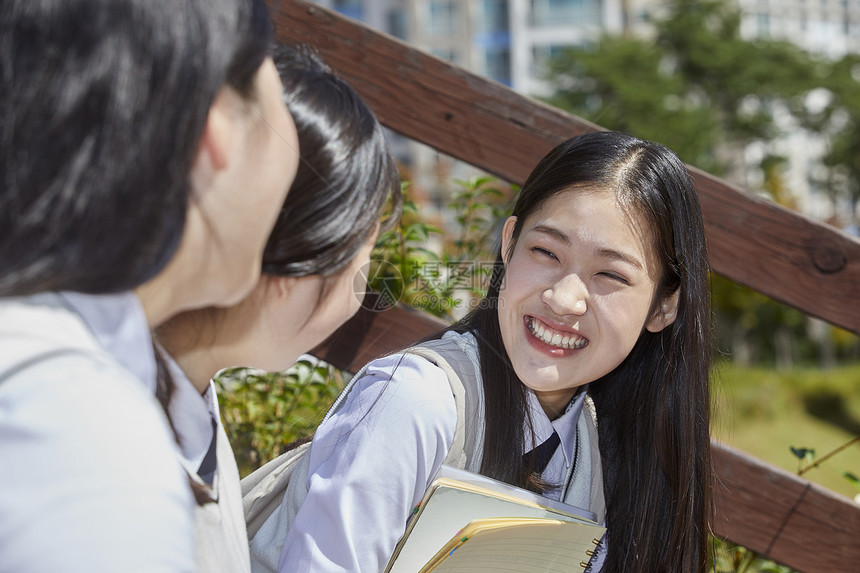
{"x": 474, "y": 488}
{"x": 478, "y": 526}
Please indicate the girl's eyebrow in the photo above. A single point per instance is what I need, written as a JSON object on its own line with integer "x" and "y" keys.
{"x": 618, "y": 255}
{"x": 605, "y": 253}
{"x": 553, "y": 232}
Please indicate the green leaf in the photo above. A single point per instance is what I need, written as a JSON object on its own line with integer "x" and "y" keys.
{"x": 803, "y": 453}
{"x": 853, "y": 479}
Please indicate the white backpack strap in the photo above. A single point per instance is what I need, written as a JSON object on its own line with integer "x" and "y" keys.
{"x": 271, "y": 497}
{"x": 598, "y": 502}
{"x": 264, "y": 489}
{"x": 463, "y": 375}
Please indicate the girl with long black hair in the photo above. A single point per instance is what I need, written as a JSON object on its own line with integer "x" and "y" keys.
{"x": 594, "y": 337}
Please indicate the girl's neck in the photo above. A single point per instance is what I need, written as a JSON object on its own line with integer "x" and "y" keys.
{"x": 194, "y": 347}
{"x": 198, "y": 366}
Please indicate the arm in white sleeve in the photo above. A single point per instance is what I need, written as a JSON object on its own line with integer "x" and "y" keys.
{"x": 370, "y": 465}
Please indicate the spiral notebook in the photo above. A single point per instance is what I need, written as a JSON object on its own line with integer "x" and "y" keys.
{"x": 471, "y": 523}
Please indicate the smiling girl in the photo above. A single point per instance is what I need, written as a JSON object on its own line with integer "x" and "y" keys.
{"x": 594, "y": 337}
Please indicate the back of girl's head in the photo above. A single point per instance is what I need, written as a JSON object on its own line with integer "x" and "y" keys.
{"x": 346, "y": 174}
{"x": 103, "y": 106}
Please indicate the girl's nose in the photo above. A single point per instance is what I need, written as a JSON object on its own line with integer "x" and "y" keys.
{"x": 567, "y": 296}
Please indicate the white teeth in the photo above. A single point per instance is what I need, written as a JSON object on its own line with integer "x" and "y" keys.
{"x": 556, "y": 339}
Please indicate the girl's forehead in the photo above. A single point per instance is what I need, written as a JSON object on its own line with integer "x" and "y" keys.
{"x": 569, "y": 205}
{"x": 596, "y": 210}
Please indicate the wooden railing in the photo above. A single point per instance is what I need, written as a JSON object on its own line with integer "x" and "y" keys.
{"x": 777, "y": 252}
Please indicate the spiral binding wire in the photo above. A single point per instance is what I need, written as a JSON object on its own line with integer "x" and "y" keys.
{"x": 592, "y": 554}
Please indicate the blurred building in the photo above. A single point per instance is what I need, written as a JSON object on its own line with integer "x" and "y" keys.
{"x": 827, "y": 27}
{"x": 831, "y": 29}
{"x": 511, "y": 41}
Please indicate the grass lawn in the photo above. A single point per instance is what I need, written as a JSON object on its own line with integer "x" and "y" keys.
{"x": 765, "y": 412}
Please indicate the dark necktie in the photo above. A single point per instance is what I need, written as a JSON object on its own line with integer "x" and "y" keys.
{"x": 538, "y": 458}
{"x": 210, "y": 460}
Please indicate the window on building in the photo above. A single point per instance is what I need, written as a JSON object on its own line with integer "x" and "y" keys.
{"x": 442, "y": 17}
{"x": 498, "y": 65}
{"x": 351, "y": 8}
{"x": 564, "y": 12}
{"x": 495, "y": 16}
{"x": 397, "y": 23}
{"x": 763, "y": 24}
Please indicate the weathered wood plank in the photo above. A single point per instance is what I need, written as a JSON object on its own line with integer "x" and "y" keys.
{"x": 757, "y": 505}
{"x": 783, "y": 516}
{"x": 373, "y": 334}
{"x": 770, "y": 249}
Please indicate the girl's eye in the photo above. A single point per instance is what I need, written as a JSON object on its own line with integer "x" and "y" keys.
{"x": 544, "y": 252}
{"x": 615, "y": 277}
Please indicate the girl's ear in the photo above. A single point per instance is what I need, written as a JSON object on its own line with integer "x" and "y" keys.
{"x": 214, "y": 146}
{"x": 278, "y": 287}
{"x": 508, "y": 236}
{"x": 665, "y": 313}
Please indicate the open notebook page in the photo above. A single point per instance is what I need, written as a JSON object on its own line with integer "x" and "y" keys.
{"x": 450, "y": 504}
{"x": 521, "y": 545}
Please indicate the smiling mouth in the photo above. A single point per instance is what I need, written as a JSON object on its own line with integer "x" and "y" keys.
{"x": 566, "y": 340}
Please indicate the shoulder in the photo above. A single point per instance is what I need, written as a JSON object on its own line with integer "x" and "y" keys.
{"x": 40, "y": 323}
{"x": 89, "y": 409}
{"x": 407, "y": 375}
{"x": 397, "y": 391}
{"x": 89, "y": 450}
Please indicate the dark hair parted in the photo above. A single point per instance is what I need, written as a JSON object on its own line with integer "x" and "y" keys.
{"x": 346, "y": 175}
{"x": 103, "y": 107}
{"x": 653, "y": 409}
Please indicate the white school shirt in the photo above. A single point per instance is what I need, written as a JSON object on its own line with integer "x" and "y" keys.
{"x": 89, "y": 480}
{"x": 372, "y": 461}
{"x": 220, "y": 536}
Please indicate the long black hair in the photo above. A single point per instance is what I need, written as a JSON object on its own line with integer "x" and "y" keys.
{"x": 103, "y": 105}
{"x": 653, "y": 409}
{"x": 346, "y": 174}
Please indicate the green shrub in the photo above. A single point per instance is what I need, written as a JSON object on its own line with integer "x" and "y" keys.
{"x": 265, "y": 412}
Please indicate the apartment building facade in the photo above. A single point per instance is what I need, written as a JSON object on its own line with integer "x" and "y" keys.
{"x": 511, "y": 41}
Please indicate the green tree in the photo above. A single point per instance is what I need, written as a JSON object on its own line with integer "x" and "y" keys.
{"x": 840, "y": 120}
{"x": 627, "y": 84}
{"x": 700, "y": 89}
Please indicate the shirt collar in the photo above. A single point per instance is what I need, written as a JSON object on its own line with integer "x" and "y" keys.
{"x": 118, "y": 323}
{"x": 543, "y": 428}
{"x": 191, "y": 413}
